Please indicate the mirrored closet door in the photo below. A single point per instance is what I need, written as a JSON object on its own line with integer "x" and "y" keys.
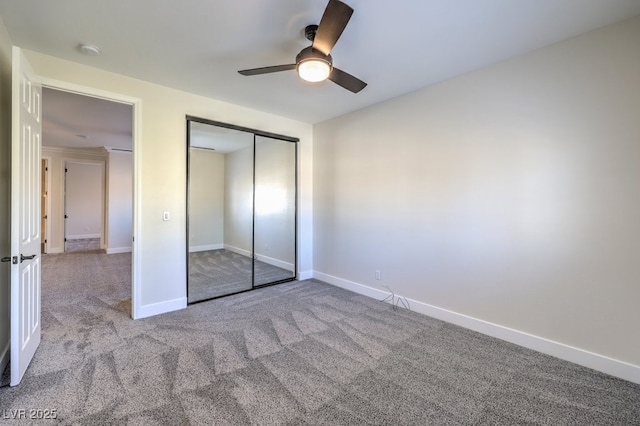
{"x": 241, "y": 204}
{"x": 274, "y": 210}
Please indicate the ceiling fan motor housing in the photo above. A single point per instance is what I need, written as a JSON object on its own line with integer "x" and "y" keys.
{"x": 309, "y": 53}
{"x": 313, "y": 66}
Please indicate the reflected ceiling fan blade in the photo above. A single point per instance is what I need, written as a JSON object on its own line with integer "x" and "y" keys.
{"x": 267, "y": 70}
{"x": 333, "y": 22}
{"x": 346, "y": 80}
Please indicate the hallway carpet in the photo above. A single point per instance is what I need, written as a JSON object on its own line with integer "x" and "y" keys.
{"x": 300, "y": 353}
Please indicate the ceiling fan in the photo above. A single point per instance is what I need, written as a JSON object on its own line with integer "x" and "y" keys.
{"x": 314, "y": 63}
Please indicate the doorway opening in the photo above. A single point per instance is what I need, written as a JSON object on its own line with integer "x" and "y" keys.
{"x": 84, "y": 206}
{"x": 88, "y": 210}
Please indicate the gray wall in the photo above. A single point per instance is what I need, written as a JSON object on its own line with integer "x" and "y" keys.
{"x": 509, "y": 194}
{"x": 58, "y": 158}
{"x": 84, "y": 199}
{"x": 119, "y": 202}
{"x": 238, "y": 200}
{"x": 5, "y": 173}
{"x": 206, "y": 200}
{"x": 275, "y": 202}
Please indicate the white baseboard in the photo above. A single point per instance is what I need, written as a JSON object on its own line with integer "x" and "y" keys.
{"x": 305, "y": 275}
{"x": 152, "y": 309}
{"x": 116, "y": 250}
{"x": 5, "y": 356}
{"x": 578, "y": 356}
{"x": 55, "y": 250}
{"x": 238, "y": 250}
{"x": 261, "y": 257}
{"x": 276, "y": 262}
{"x": 208, "y": 247}
{"x": 83, "y": 236}
{"x": 350, "y": 285}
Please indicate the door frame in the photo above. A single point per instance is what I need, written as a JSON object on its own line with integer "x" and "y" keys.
{"x": 47, "y": 202}
{"x": 103, "y": 200}
{"x": 136, "y": 104}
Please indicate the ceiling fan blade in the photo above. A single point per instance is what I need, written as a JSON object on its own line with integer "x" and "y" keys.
{"x": 267, "y": 70}
{"x": 346, "y": 80}
{"x": 333, "y": 22}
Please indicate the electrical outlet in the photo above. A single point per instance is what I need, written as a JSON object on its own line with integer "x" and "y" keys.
{"x": 166, "y": 216}
{"x": 377, "y": 274}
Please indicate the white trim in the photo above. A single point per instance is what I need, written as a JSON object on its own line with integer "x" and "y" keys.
{"x": 55, "y": 250}
{"x": 152, "y": 309}
{"x": 136, "y": 282}
{"x": 112, "y": 150}
{"x": 83, "y": 236}
{"x": 238, "y": 250}
{"x": 275, "y": 262}
{"x": 87, "y": 91}
{"x": 579, "y": 356}
{"x": 351, "y": 286}
{"x": 47, "y": 221}
{"x": 116, "y": 250}
{"x": 208, "y": 247}
{"x": 5, "y": 357}
{"x": 136, "y": 104}
{"x": 89, "y": 152}
{"x": 266, "y": 259}
{"x": 305, "y": 275}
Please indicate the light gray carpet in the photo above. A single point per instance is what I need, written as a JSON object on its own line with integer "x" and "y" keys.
{"x": 5, "y": 377}
{"x": 300, "y": 353}
{"x": 215, "y": 273}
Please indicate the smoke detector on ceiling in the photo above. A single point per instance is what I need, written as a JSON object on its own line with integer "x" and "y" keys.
{"x": 89, "y": 49}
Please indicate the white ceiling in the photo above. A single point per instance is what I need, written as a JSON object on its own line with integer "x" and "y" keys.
{"x": 395, "y": 46}
{"x": 74, "y": 121}
{"x": 220, "y": 139}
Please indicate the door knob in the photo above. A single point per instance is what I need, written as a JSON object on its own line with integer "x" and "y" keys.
{"x": 23, "y": 257}
{"x": 13, "y": 259}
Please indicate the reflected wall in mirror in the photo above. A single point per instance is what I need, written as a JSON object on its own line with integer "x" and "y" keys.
{"x": 275, "y": 213}
{"x": 241, "y": 199}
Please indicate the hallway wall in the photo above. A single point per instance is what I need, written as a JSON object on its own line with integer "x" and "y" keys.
{"x": 58, "y": 158}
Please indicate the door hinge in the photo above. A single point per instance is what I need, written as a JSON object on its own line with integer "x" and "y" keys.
{"x": 66, "y": 217}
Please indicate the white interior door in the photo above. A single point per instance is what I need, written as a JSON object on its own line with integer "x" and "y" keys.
{"x": 25, "y": 215}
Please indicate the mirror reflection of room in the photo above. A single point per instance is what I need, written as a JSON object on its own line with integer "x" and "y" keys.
{"x": 274, "y": 212}
{"x": 242, "y": 223}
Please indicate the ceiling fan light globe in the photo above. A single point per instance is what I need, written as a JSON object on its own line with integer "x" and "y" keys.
{"x": 314, "y": 70}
